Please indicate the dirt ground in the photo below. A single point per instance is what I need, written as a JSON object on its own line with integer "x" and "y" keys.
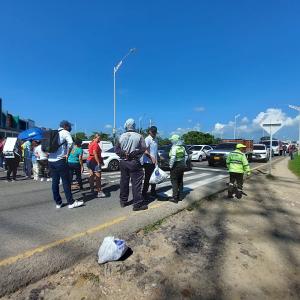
{"x": 217, "y": 249}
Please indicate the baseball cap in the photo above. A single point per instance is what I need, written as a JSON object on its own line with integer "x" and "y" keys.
{"x": 238, "y": 146}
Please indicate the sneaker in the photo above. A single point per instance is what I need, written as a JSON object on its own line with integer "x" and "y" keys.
{"x": 101, "y": 195}
{"x": 76, "y": 204}
{"x": 58, "y": 206}
{"x": 140, "y": 207}
{"x": 8, "y": 180}
{"x": 49, "y": 179}
{"x": 42, "y": 179}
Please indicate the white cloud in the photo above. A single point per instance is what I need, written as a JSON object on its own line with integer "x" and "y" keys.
{"x": 108, "y": 126}
{"x": 245, "y": 120}
{"x": 199, "y": 109}
{"x": 247, "y": 127}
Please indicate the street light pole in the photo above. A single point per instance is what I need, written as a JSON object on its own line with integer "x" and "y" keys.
{"x": 298, "y": 109}
{"x": 234, "y": 132}
{"x": 116, "y": 68}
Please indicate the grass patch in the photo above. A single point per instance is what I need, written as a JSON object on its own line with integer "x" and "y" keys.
{"x": 294, "y": 165}
{"x": 153, "y": 227}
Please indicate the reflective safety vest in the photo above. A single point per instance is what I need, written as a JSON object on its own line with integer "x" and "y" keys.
{"x": 177, "y": 153}
{"x": 237, "y": 162}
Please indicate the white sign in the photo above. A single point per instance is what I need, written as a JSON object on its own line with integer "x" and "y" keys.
{"x": 9, "y": 146}
{"x": 271, "y": 126}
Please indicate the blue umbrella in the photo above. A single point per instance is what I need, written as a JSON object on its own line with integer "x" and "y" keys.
{"x": 31, "y": 134}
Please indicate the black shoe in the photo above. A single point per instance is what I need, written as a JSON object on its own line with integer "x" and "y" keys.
{"x": 140, "y": 207}
{"x": 230, "y": 196}
{"x": 174, "y": 200}
{"x": 123, "y": 204}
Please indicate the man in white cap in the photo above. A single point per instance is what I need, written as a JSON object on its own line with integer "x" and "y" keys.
{"x": 130, "y": 147}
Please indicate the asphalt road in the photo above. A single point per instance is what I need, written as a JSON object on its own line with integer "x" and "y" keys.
{"x": 30, "y": 223}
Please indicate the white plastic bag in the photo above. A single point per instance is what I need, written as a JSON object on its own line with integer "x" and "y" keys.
{"x": 111, "y": 249}
{"x": 158, "y": 176}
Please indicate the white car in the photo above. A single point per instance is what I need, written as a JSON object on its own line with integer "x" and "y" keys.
{"x": 104, "y": 145}
{"x": 260, "y": 152}
{"x": 111, "y": 160}
{"x": 200, "y": 152}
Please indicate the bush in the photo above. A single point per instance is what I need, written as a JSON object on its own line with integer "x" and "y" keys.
{"x": 294, "y": 165}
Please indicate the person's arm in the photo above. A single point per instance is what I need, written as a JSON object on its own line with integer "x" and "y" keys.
{"x": 228, "y": 161}
{"x": 96, "y": 156}
{"x": 246, "y": 165}
{"x": 69, "y": 141}
{"x": 81, "y": 161}
{"x": 172, "y": 155}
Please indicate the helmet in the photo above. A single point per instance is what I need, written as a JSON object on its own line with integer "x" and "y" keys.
{"x": 175, "y": 138}
{"x": 238, "y": 146}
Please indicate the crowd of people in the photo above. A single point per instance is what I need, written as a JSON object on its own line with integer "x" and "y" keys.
{"x": 138, "y": 161}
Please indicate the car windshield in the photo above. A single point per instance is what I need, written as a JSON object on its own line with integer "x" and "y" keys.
{"x": 259, "y": 147}
{"x": 274, "y": 143}
{"x": 230, "y": 146}
{"x": 111, "y": 150}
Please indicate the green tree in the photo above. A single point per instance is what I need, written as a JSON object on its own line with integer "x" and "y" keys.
{"x": 80, "y": 135}
{"x": 198, "y": 138}
{"x": 103, "y": 136}
{"x": 163, "y": 141}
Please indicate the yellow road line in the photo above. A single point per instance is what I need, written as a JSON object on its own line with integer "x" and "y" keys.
{"x": 29, "y": 253}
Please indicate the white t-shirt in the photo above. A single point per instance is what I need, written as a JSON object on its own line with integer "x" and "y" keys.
{"x": 66, "y": 142}
{"x": 40, "y": 155}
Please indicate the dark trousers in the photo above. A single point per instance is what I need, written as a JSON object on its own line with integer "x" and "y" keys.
{"x": 75, "y": 168}
{"x": 12, "y": 167}
{"x": 239, "y": 179}
{"x": 28, "y": 166}
{"x": 43, "y": 168}
{"x": 60, "y": 169}
{"x": 149, "y": 168}
{"x": 176, "y": 174}
{"x": 134, "y": 171}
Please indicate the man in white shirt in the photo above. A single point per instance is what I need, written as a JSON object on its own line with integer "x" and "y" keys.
{"x": 59, "y": 168}
{"x": 149, "y": 161}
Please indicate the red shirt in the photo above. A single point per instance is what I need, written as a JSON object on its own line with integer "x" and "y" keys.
{"x": 94, "y": 146}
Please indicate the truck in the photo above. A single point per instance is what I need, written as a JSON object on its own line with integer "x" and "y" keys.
{"x": 222, "y": 150}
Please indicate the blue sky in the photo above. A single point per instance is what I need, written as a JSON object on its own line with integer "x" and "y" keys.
{"x": 197, "y": 65}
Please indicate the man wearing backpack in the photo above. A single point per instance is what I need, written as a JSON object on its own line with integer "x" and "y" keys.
{"x": 59, "y": 145}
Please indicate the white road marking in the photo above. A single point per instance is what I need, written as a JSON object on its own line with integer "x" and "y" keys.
{"x": 210, "y": 169}
{"x": 190, "y": 187}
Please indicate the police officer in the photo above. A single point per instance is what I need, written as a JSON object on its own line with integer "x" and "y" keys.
{"x": 178, "y": 158}
{"x": 237, "y": 165}
{"x": 130, "y": 147}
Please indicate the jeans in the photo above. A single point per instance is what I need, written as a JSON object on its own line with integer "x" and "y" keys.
{"x": 75, "y": 168}
{"x": 176, "y": 174}
{"x": 28, "y": 166}
{"x": 134, "y": 171}
{"x": 1, "y": 159}
{"x": 149, "y": 168}
{"x": 60, "y": 169}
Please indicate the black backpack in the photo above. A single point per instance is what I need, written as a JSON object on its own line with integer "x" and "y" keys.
{"x": 50, "y": 142}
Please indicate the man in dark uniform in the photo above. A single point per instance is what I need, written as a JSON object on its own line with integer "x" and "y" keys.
{"x": 130, "y": 147}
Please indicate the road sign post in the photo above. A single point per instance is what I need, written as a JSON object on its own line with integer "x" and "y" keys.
{"x": 271, "y": 127}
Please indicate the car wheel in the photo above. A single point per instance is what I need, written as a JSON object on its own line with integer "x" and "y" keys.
{"x": 114, "y": 165}
{"x": 200, "y": 158}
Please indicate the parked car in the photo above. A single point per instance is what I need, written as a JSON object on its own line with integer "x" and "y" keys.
{"x": 163, "y": 157}
{"x": 111, "y": 160}
{"x": 260, "y": 152}
{"x": 220, "y": 153}
{"x": 276, "y": 146}
{"x": 104, "y": 145}
{"x": 200, "y": 152}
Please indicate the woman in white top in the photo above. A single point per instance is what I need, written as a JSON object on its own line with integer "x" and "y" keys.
{"x": 42, "y": 159}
